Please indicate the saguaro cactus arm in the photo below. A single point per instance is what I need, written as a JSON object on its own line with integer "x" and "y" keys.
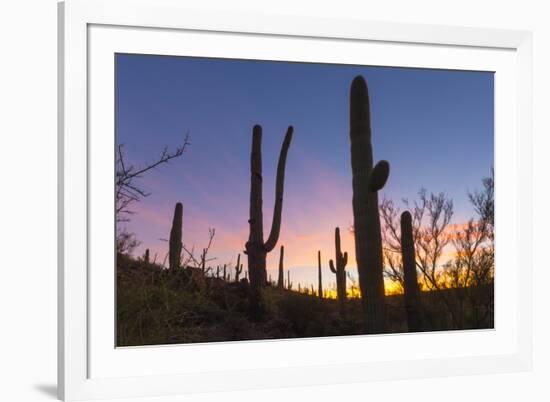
{"x": 340, "y": 261}
{"x": 332, "y": 267}
{"x": 379, "y": 175}
{"x": 279, "y": 189}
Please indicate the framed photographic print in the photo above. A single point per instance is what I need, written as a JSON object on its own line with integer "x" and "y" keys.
{"x": 252, "y": 201}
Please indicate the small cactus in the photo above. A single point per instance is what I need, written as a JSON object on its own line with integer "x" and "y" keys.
{"x": 238, "y": 268}
{"x": 175, "y": 244}
{"x": 280, "y": 279}
{"x": 225, "y": 272}
{"x": 339, "y": 269}
{"x": 146, "y": 256}
{"x": 320, "y": 290}
{"x": 288, "y": 283}
{"x": 218, "y": 271}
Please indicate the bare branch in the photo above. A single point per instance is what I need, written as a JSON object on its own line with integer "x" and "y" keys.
{"x": 127, "y": 191}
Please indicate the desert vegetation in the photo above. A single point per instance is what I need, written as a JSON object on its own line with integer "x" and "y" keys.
{"x": 441, "y": 273}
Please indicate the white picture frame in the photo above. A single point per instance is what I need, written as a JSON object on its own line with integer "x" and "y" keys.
{"x": 91, "y": 367}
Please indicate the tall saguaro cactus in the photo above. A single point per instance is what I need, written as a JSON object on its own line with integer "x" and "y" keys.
{"x": 412, "y": 302}
{"x": 256, "y": 248}
{"x": 339, "y": 268}
{"x": 320, "y": 275}
{"x": 175, "y": 245}
{"x": 367, "y": 181}
{"x": 280, "y": 279}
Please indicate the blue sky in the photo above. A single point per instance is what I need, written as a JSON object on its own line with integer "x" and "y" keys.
{"x": 435, "y": 127}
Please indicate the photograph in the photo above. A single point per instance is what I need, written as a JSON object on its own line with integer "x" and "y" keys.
{"x": 268, "y": 199}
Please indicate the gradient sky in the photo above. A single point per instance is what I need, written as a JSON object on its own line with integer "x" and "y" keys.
{"x": 435, "y": 127}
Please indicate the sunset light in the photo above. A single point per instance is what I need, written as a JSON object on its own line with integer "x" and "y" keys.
{"x": 239, "y": 181}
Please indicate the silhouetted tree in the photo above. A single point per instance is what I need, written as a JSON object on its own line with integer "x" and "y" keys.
{"x": 430, "y": 219}
{"x": 127, "y": 190}
{"x": 126, "y": 242}
{"x": 472, "y": 269}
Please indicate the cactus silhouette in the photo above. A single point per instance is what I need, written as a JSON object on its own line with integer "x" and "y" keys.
{"x": 339, "y": 269}
{"x": 175, "y": 245}
{"x": 203, "y": 261}
{"x": 218, "y": 271}
{"x": 238, "y": 268}
{"x": 146, "y": 256}
{"x": 280, "y": 279}
{"x": 320, "y": 289}
{"x": 412, "y": 302}
{"x": 367, "y": 181}
{"x": 288, "y": 283}
{"x": 224, "y": 272}
{"x": 256, "y": 248}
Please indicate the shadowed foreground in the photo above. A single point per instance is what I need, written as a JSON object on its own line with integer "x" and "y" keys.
{"x": 159, "y": 306}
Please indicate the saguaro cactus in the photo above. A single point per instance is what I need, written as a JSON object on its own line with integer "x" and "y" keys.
{"x": 146, "y": 256}
{"x": 339, "y": 269}
{"x": 280, "y": 279}
{"x": 238, "y": 268}
{"x": 412, "y": 303}
{"x": 288, "y": 283}
{"x": 256, "y": 248}
{"x": 320, "y": 289}
{"x": 367, "y": 181}
{"x": 175, "y": 245}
